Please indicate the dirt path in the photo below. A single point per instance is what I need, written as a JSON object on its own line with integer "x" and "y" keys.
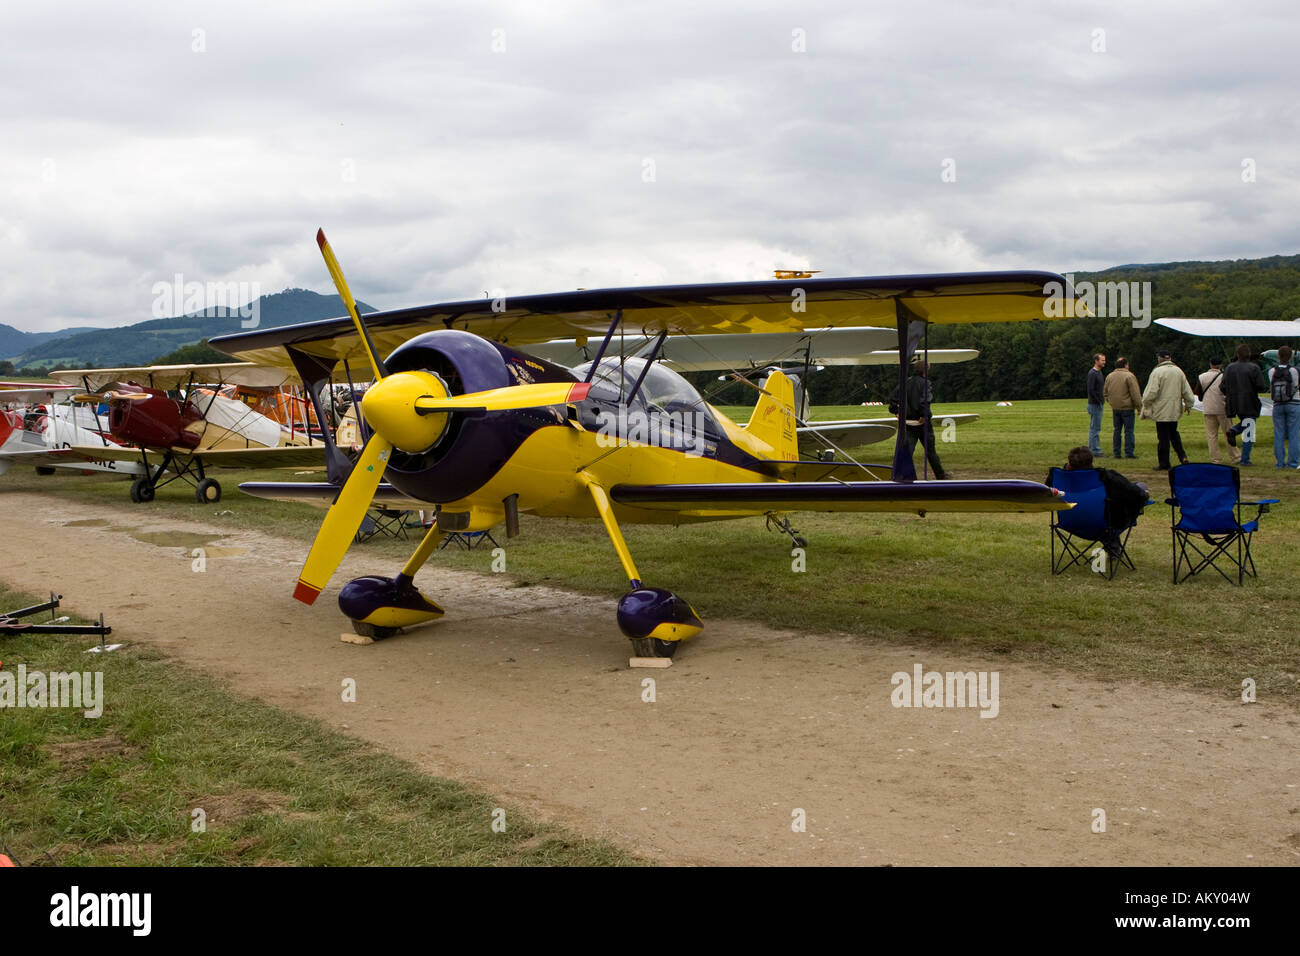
{"x": 526, "y": 693}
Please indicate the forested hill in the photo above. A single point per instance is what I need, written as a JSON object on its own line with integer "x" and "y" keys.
{"x": 1028, "y": 360}
{"x": 144, "y": 342}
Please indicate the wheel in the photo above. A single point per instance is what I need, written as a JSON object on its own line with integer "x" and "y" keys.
{"x": 208, "y": 491}
{"x": 141, "y": 490}
{"x": 374, "y": 631}
{"x": 800, "y": 541}
{"x": 653, "y": 647}
{"x": 44, "y": 470}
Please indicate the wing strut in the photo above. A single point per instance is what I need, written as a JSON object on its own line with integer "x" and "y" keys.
{"x": 595, "y": 363}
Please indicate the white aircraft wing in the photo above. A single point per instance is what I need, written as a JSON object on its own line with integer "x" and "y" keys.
{"x": 1234, "y": 328}
{"x": 707, "y": 353}
{"x": 175, "y": 376}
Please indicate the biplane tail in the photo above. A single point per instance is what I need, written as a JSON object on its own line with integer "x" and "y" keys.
{"x": 773, "y": 421}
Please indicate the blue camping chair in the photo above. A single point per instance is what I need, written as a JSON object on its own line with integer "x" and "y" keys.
{"x": 1205, "y": 515}
{"x": 1086, "y": 527}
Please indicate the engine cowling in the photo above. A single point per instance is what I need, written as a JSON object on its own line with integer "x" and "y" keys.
{"x": 472, "y": 447}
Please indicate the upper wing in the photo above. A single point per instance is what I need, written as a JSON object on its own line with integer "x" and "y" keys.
{"x": 1234, "y": 328}
{"x": 174, "y": 376}
{"x": 918, "y": 496}
{"x": 750, "y": 307}
{"x": 706, "y": 353}
{"x": 35, "y": 393}
{"x": 932, "y": 356}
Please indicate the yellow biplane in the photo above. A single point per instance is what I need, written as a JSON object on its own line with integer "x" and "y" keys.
{"x": 462, "y": 417}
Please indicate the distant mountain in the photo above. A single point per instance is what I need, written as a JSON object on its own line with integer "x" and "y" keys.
{"x": 143, "y": 342}
{"x": 15, "y": 342}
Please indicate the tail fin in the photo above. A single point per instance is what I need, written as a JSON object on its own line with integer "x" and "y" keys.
{"x": 773, "y": 418}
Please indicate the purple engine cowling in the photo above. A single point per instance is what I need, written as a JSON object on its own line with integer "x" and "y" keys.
{"x": 473, "y": 448}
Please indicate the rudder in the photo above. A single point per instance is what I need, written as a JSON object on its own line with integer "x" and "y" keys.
{"x": 773, "y": 419}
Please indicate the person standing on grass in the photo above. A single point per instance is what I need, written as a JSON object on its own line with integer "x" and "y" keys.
{"x": 1166, "y": 399}
{"x": 1096, "y": 398}
{"x": 1124, "y": 398}
{"x": 1216, "y": 415}
{"x": 1241, "y": 384}
{"x": 1284, "y": 387}
{"x": 917, "y": 398}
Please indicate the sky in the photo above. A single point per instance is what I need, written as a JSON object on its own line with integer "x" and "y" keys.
{"x": 453, "y": 149}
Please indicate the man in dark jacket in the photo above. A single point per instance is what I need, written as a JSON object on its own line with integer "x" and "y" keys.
{"x": 1241, "y": 384}
{"x": 1096, "y": 402}
{"x": 919, "y": 426}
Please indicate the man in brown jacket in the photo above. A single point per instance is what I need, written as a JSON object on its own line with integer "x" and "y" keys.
{"x": 1216, "y": 412}
{"x": 1124, "y": 398}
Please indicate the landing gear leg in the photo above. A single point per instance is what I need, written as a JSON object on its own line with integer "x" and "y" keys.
{"x": 781, "y": 523}
{"x": 654, "y": 620}
{"x": 379, "y": 607}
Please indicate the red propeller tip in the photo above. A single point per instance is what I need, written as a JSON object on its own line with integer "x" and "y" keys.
{"x": 320, "y": 238}
{"x": 305, "y": 593}
{"x": 579, "y": 392}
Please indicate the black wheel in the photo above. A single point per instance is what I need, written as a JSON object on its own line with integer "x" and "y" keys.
{"x": 373, "y": 631}
{"x": 208, "y": 491}
{"x": 44, "y": 470}
{"x": 141, "y": 490}
{"x": 653, "y": 647}
{"x": 800, "y": 542}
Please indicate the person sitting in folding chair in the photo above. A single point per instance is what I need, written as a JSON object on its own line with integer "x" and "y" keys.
{"x": 1106, "y": 507}
{"x": 1205, "y": 515}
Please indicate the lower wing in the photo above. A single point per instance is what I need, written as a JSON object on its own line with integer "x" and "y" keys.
{"x": 919, "y": 496}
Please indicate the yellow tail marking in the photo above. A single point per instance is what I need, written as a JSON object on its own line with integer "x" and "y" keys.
{"x": 773, "y": 419}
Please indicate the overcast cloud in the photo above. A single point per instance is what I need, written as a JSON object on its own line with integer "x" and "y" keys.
{"x": 452, "y": 149}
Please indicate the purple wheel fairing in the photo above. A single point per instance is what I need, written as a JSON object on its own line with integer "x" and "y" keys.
{"x": 643, "y": 610}
{"x": 361, "y": 597}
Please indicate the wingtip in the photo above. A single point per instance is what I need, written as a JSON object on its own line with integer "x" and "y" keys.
{"x": 306, "y": 593}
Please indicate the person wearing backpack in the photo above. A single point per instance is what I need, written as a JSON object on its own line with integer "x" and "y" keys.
{"x": 1216, "y": 415}
{"x": 1284, "y": 388}
{"x": 1241, "y": 384}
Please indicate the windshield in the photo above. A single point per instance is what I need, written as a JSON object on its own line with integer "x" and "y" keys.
{"x": 665, "y": 396}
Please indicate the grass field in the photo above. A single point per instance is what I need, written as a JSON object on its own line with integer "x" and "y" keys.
{"x": 275, "y": 788}
{"x": 977, "y": 582}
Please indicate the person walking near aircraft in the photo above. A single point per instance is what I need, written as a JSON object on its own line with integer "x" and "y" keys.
{"x": 1096, "y": 398}
{"x": 1284, "y": 388}
{"x": 918, "y": 397}
{"x": 1124, "y": 397}
{"x": 1166, "y": 398}
{"x": 1241, "y": 384}
{"x": 1216, "y": 415}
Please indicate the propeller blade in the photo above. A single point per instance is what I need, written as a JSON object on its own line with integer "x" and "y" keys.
{"x": 342, "y": 520}
{"x": 336, "y": 273}
{"x": 501, "y": 399}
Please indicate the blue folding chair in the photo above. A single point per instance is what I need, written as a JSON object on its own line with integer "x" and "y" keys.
{"x": 1086, "y": 524}
{"x": 1205, "y": 510}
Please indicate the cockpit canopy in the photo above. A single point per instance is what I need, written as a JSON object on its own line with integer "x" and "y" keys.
{"x": 664, "y": 395}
